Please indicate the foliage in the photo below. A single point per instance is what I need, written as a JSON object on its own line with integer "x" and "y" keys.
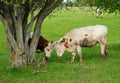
{"x": 110, "y": 6}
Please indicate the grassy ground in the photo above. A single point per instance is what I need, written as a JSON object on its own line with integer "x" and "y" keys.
{"x": 59, "y": 70}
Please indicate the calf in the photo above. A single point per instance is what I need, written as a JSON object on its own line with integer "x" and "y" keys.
{"x": 42, "y": 43}
{"x": 74, "y": 40}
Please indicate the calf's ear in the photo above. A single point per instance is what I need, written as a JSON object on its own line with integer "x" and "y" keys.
{"x": 63, "y": 40}
{"x": 50, "y": 42}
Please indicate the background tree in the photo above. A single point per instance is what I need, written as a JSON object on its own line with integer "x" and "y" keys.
{"x": 110, "y": 6}
{"x": 18, "y": 18}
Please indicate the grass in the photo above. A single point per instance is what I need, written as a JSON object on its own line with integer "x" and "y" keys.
{"x": 59, "y": 70}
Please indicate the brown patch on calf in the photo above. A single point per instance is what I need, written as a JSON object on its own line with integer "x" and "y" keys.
{"x": 86, "y": 34}
{"x": 48, "y": 49}
{"x": 66, "y": 45}
{"x": 63, "y": 40}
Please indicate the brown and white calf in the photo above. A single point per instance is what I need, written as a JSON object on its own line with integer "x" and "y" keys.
{"x": 74, "y": 40}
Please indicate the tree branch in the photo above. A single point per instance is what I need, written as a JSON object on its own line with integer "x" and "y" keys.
{"x": 10, "y": 37}
{"x": 49, "y": 7}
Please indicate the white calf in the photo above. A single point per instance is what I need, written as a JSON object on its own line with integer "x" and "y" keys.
{"x": 74, "y": 40}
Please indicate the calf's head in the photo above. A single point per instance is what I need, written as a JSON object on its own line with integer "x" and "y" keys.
{"x": 48, "y": 49}
{"x": 58, "y": 46}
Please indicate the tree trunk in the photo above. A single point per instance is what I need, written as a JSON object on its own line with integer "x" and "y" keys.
{"x": 15, "y": 18}
{"x": 23, "y": 56}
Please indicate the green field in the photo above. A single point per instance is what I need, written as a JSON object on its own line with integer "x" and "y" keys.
{"x": 59, "y": 70}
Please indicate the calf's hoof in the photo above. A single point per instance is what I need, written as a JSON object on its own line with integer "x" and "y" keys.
{"x": 103, "y": 57}
{"x": 71, "y": 61}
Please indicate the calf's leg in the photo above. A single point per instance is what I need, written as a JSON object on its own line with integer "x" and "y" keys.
{"x": 73, "y": 57}
{"x": 104, "y": 50}
{"x": 79, "y": 53}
